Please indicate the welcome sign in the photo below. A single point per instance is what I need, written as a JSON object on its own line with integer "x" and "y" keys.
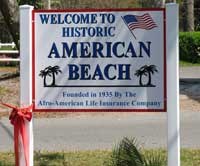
{"x": 99, "y": 60}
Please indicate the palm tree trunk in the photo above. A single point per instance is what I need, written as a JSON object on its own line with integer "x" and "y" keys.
{"x": 45, "y": 84}
{"x": 149, "y": 82}
{"x": 54, "y": 79}
{"x": 140, "y": 81}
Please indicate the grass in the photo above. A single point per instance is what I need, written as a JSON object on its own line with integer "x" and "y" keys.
{"x": 189, "y": 157}
{"x": 187, "y": 64}
{"x": 79, "y": 158}
{"x": 4, "y": 90}
{"x": 7, "y": 48}
{"x": 9, "y": 69}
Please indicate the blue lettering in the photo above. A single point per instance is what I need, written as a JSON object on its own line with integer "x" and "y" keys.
{"x": 68, "y": 51}
{"x": 84, "y": 72}
{"x": 124, "y": 73}
{"x": 85, "y": 53}
{"x": 54, "y": 51}
{"x": 131, "y": 50}
{"x": 116, "y": 50}
{"x": 44, "y": 18}
{"x": 107, "y": 71}
{"x": 145, "y": 48}
{"x": 73, "y": 72}
{"x": 98, "y": 73}
{"x": 97, "y": 49}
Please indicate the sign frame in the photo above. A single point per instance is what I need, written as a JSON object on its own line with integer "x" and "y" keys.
{"x": 101, "y": 109}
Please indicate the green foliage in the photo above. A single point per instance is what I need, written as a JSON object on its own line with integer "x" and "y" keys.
{"x": 9, "y": 64}
{"x": 189, "y": 157}
{"x": 36, "y": 3}
{"x": 77, "y": 158}
{"x": 189, "y": 45}
{"x": 98, "y": 3}
{"x": 197, "y": 15}
{"x": 187, "y": 64}
{"x": 128, "y": 153}
{"x": 7, "y": 159}
{"x": 7, "y": 48}
{"x": 155, "y": 158}
{"x": 150, "y": 3}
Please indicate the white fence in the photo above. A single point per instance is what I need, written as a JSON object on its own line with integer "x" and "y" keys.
{"x": 12, "y": 45}
{"x": 7, "y": 44}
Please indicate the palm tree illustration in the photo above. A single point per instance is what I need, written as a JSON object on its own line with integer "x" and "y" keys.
{"x": 139, "y": 73}
{"x": 44, "y": 73}
{"x": 146, "y": 70}
{"x": 51, "y": 72}
{"x": 54, "y": 70}
{"x": 151, "y": 69}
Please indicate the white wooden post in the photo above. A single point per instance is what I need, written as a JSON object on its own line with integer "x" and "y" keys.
{"x": 26, "y": 71}
{"x": 172, "y": 49}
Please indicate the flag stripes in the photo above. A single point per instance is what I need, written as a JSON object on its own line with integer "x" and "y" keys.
{"x": 144, "y": 21}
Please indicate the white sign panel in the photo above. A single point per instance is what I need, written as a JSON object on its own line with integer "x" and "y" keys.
{"x": 99, "y": 60}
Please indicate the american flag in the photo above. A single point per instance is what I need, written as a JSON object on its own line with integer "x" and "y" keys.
{"x": 144, "y": 21}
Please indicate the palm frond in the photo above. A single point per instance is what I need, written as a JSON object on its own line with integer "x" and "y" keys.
{"x": 57, "y": 71}
{"x": 41, "y": 75}
{"x": 140, "y": 72}
{"x": 56, "y": 67}
{"x": 48, "y": 68}
{"x": 49, "y": 74}
{"x": 137, "y": 73}
{"x": 127, "y": 153}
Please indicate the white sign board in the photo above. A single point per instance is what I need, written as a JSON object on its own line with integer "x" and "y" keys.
{"x": 99, "y": 60}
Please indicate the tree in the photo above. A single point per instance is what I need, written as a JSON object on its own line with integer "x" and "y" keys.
{"x": 38, "y": 4}
{"x": 188, "y": 15}
{"x": 44, "y": 73}
{"x": 10, "y": 12}
{"x": 152, "y": 3}
{"x": 139, "y": 73}
{"x": 51, "y": 72}
{"x": 128, "y": 152}
{"x": 147, "y": 71}
{"x": 151, "y": 69}
{"x": 54, "y": 71}
{"x": 197, "y": 15}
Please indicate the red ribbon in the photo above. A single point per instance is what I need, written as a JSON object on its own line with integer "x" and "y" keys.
{"x": 17, "y": 119}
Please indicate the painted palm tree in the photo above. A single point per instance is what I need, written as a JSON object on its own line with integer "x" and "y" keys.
{"x": 51, "y": 72}
{"x": 44, "y": 73}
{"x": 139, "y": 73}
{"x": 146, "y": 71}
{"x": 151, "y": 69}
{"x": 54, "y": 71}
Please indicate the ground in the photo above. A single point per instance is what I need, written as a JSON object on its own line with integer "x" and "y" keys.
{"x": 9, "y": 93}
{"x": 190, "y": 96}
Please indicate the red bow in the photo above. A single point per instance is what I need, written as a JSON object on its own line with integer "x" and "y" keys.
{"x": 17, "y": 119}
